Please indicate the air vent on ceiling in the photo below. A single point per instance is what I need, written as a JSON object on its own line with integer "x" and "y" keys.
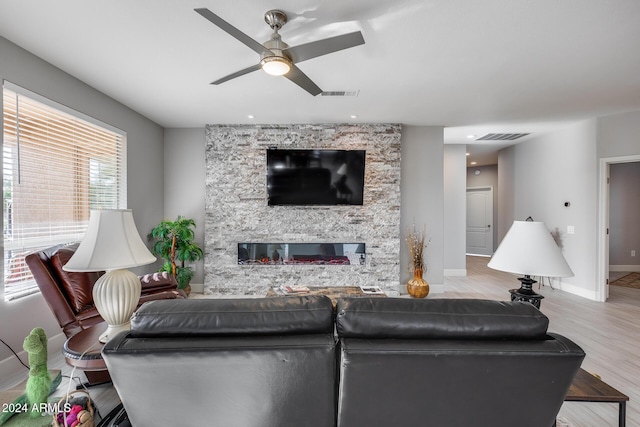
{"x": 341, "y": 93}
{"x": 501, "y": 136}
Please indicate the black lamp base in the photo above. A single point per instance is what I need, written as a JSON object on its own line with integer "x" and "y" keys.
{"x": 526, "y": 293}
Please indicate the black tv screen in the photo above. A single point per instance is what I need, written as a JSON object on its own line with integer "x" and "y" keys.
{"x": 315, "y": 177}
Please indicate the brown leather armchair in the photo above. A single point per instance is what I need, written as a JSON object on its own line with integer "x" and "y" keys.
{"x": 69, "y": 295}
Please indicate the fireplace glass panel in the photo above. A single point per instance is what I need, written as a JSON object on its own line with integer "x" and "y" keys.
{"x": 302, "y": 253}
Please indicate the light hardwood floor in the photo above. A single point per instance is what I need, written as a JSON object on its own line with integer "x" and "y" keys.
{"x": 608, "y": 332}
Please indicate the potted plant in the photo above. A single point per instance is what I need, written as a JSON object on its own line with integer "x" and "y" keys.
{"x": 417, "y": 286}
{"x": 173, "y": 242}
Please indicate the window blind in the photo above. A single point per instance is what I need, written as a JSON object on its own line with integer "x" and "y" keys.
{"x": 57, "y": 166}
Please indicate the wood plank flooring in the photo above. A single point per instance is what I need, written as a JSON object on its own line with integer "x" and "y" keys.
{"x": 608, "y": 332}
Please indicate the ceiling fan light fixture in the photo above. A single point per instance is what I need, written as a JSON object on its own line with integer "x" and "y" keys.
{"x": 275, "y": 65}
{"x": 277, "y": 57}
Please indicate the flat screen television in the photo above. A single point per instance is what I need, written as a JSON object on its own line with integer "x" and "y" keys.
{"x": 315, "y": 177}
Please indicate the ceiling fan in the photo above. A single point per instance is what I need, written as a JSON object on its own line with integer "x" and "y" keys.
{"x": 276, "y": 57}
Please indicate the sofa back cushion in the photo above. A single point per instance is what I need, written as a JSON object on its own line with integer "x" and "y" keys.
{"x": 404, "y": 318}
{"x": 77, "y": 286}
{"x": 243, "y": 316}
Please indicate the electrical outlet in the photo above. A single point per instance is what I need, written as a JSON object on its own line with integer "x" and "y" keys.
{"x": 571, "y": 229}
{"x": 633, "y": 252}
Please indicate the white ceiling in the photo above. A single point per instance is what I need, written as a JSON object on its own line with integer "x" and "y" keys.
{"x": 474, "y": 66}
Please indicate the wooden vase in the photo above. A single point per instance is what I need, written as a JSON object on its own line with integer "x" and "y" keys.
{"x": 418, "y": 287}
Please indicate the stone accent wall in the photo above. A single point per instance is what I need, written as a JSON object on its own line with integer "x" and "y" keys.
{"x": 236, "y": 208}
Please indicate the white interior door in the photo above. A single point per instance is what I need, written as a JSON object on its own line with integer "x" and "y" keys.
{"x": 480, "y": 221}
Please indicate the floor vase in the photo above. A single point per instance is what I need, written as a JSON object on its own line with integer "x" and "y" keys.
{"x": 418, "y": 287}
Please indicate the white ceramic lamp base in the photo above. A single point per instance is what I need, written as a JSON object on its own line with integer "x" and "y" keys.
{"x": 116, "y": 295}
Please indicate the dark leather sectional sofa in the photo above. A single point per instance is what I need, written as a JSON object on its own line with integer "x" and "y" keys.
{"x": 297, "y": 361}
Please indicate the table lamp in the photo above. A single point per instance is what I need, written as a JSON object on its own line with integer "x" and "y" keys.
{"x": 529, "y": 249}
{"x": 112, "y": 244}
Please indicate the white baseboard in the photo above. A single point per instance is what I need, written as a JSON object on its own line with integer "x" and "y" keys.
{"x": 624, "y": 268}
{"x": 460, "y": 272}
{"x": 576, "y": 290}
{"x": 13, "y": 373}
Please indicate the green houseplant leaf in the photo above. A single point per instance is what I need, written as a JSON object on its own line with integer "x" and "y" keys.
{"x": 173, "y": 241}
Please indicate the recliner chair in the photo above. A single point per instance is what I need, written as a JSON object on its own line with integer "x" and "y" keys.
{"x": 69, "y": 295}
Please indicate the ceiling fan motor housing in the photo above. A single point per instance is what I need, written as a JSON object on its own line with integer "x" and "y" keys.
{"x": 276, "y": 46}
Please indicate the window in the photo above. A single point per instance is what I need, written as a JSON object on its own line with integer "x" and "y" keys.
{"x": 58, "y": 164}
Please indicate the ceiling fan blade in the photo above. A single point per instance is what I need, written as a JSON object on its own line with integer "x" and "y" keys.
{"x": 237, "y": 74}
{"x": 233, "y": 31}
{"x": 322, "y": 47}
{"x": 298, "y": 77}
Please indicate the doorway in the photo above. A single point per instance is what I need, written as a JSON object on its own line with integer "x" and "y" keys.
{"x": 480, "y": 221}
{"x": 602, "y": 286}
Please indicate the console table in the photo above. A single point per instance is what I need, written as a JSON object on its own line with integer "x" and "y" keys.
{"x": 589, "y": 388}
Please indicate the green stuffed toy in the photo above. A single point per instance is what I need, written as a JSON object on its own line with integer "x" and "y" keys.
{"x": 39, "y": 382}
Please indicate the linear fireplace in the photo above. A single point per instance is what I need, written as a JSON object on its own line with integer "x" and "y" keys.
{"x": 301, "y": 253}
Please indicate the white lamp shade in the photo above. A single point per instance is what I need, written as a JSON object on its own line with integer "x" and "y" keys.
{"x": 528, "y": 248}
{"x": 111, "y": 242}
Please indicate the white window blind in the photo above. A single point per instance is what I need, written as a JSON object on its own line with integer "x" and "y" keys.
{"x": 57, "y": 166}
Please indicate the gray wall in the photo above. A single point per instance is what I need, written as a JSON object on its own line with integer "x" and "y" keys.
{"x": 506, "y": 190}
{"x": 619, "y": 135}
{"x": 488, "y": 177}
{"x": 536, "y": 177}
{"x": 546, "y": 172}
{"x": 455, "y": 208}
{"x": 184, "y": 176}
{"x": 422, "y": 188}
{"x": 145, "y": 178}
{"x": 624, "y": 216}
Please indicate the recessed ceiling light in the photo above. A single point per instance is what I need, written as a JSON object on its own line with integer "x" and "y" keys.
{"x": 251, "y": 116}
{"x": 353, "y": 116}
{"x": 471, "y": 136}
{"x": 468, "y": 154}
{"x": 474, "y": 163}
